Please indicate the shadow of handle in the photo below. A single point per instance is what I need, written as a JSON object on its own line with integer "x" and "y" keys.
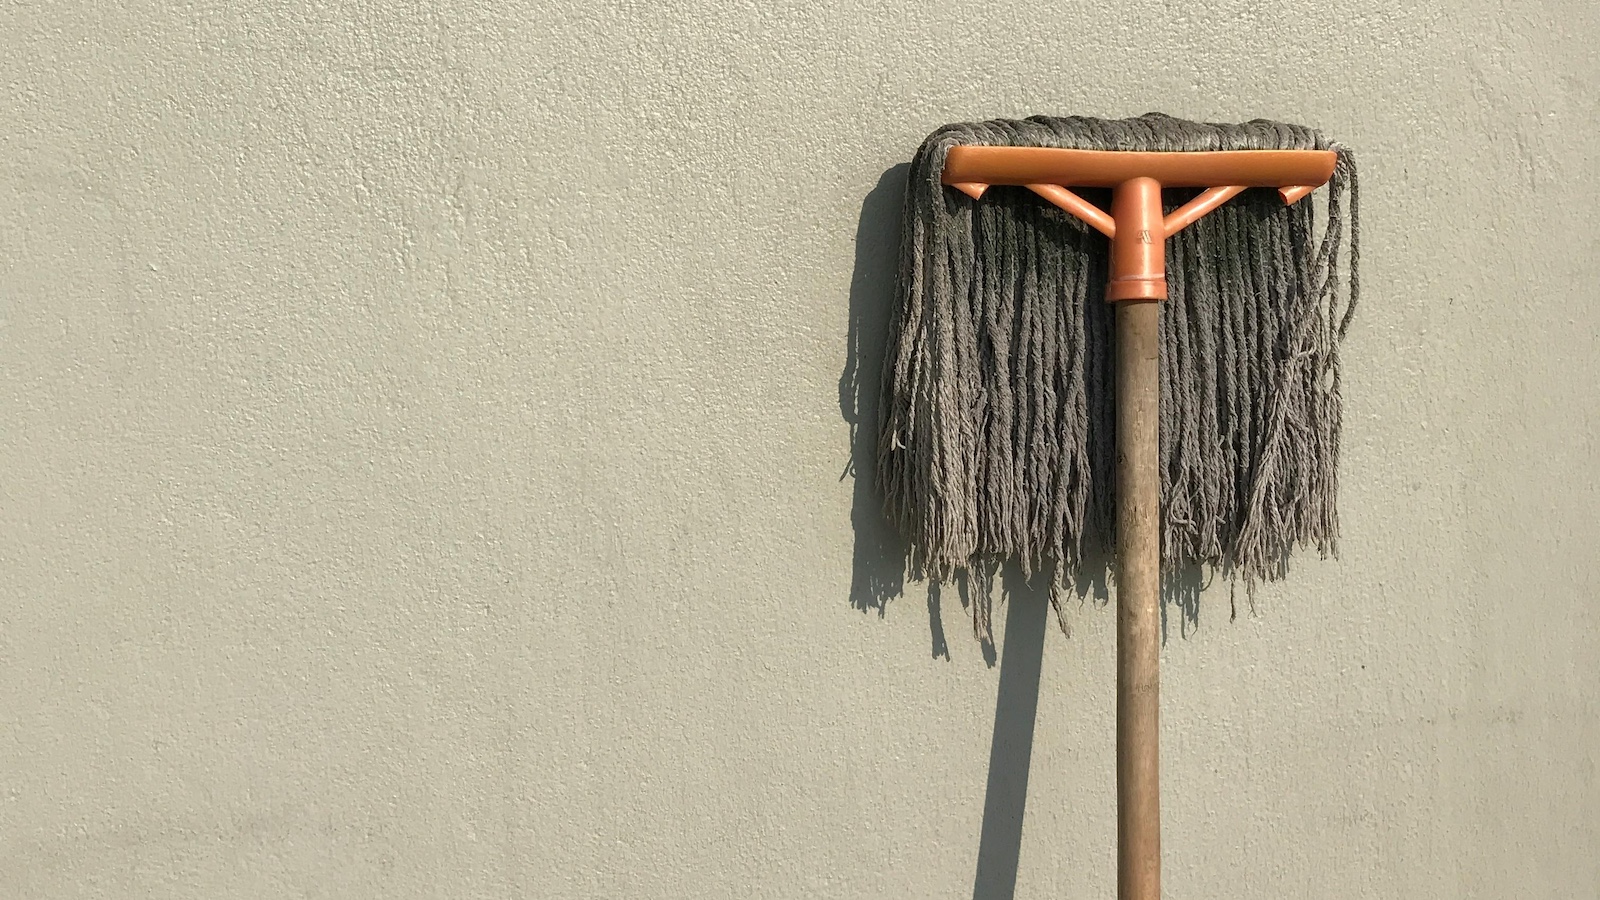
{"x": 1011, "y": 753}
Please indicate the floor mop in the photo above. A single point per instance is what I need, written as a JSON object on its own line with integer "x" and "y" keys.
{"x": 1157, "y": 380}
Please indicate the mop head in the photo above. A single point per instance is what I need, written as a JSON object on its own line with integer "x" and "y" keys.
{"x": 998, "y": 417}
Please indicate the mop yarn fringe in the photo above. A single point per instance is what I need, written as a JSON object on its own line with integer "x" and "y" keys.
{"x": 998, "y": 417}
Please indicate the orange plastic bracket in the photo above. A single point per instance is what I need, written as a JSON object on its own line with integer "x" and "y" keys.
{"x": 1135, "y": 225}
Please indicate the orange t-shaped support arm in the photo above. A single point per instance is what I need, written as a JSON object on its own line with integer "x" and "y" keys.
{"x": 1135, "y": 225}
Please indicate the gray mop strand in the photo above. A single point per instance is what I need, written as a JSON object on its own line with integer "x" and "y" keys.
{"x": 998, "y": 430}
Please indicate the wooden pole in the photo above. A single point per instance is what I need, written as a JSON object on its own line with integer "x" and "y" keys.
{"x": 1138, "y": 490}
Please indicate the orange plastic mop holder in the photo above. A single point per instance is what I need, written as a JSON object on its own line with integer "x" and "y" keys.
{"x": 1135, "y": 225}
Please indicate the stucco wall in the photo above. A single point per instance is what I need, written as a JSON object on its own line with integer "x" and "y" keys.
{"x": 422, "y": 427}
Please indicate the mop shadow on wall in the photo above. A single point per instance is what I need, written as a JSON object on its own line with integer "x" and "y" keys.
{"x": 879, "y": 564}
{"x": 878, "y": 572}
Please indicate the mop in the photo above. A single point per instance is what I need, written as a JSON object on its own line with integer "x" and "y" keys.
{"x": 1155, "y": 378}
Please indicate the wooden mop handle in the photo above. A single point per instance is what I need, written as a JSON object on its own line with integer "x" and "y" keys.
{"x": 1138, "y": 486}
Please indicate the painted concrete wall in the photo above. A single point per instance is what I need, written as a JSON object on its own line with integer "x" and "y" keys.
{"x": 426, "y": 436}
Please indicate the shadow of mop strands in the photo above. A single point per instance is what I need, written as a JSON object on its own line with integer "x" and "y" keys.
{"x": 1180, "y": 590}
{"x": 878, "y": 571}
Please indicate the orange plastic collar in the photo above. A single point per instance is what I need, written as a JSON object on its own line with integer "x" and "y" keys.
{"x": 1135, "y": 225}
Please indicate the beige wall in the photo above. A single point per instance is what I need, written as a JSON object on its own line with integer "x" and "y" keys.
{"x": 421, "y": 439}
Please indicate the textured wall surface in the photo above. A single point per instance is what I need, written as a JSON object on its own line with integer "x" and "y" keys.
{"x": 425, "y": 446}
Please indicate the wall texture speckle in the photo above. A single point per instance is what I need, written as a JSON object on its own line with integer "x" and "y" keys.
{"x": 425, "y": 446}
